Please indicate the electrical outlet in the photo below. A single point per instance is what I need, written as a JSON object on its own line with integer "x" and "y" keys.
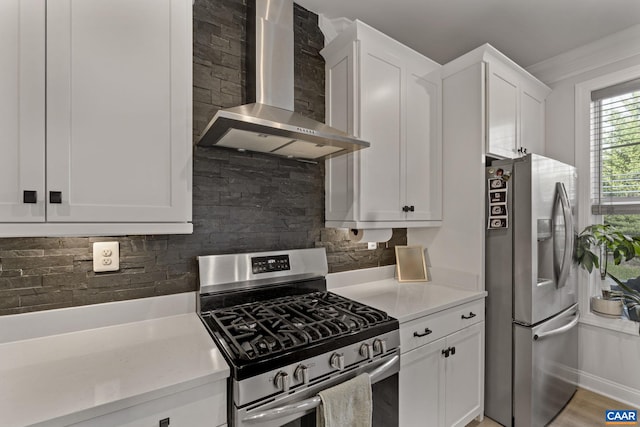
{"x": 106, "y": 256}
{"x": 372, "y": 245}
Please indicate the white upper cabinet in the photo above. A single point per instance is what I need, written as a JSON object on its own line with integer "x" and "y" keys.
{"x": 117, "y": 150}
{"x": 514, "y": 103}
{"x": 502, "y": 111}
{"x": 22, "y": 110}
{"x": 389, "y": 95}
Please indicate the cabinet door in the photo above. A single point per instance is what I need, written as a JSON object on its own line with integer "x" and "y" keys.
{"x": 464, "y": 395}
{"x": 203, "y": 406}
{"x": 119, "y": 110}
{"x": 531, "y": 123}
{"x": 502, "y": 111}
{"x": 423, "y": 145}
{"x": 22, "y": 103}
{"x": 422, "y": 386}
{"x": 381, "y": 86}
{"x": 339, "y": 173}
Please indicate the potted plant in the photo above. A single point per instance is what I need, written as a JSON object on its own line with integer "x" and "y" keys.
{"x": 608, "y": 241}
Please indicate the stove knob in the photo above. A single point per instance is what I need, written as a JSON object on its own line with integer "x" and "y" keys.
{"x": 366, "y": 351}
{"x": 302, "y": 374}
{"x": 337, "y": 361}
{"x": 282, "y": 381}
{"x": 380, "y": 346}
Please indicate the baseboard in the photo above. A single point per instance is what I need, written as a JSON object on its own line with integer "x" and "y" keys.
{"x": 627, "y": 395}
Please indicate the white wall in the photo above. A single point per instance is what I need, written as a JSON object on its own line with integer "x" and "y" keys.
{"x": 608, "y": 363}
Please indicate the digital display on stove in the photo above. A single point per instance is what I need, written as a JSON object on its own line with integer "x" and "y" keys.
{"x": 269, "y": 264}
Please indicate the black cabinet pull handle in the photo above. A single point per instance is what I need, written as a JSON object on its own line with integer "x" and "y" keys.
{"x": 29, "y": 196}
{"x": 55, "y": 197}
{"x": 412, "y": 208}
{"x": 449, "y": 351}
{"x": 405, "y": 209}
{"x": 165, "y": 422}
{"x": 470, "y": 316}
{"x": 427, "y": 331}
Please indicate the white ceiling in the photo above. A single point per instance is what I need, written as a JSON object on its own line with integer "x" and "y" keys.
{"x": 527, "y": 31}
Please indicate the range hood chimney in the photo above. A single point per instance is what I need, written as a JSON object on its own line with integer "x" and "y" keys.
{"x": 268, "y": 124}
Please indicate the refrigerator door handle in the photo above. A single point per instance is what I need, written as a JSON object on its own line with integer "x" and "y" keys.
{"x": 559, "y": 330}
{"x": 562, "y": 269}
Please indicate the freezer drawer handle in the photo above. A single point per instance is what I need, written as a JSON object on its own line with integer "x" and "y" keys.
{"x": 470, "y": 316}
{"x": 427, "y": 331}
{"x": 560, "y": 330}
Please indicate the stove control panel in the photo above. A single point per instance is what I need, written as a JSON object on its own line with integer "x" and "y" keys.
{"x": 269, "y": 264}
{"x": 309, "y": 372}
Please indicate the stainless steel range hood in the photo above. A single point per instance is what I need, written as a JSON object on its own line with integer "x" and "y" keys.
{"x": 269, "y": 125}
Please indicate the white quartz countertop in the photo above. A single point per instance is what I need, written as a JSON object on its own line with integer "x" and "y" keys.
{"x": 408, "y": 301}
{"x": 57, "y": 380}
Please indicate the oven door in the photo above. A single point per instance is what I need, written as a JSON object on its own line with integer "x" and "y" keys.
{"x": 298, "y": 409}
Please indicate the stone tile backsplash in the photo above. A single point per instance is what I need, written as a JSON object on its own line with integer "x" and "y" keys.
{"x": 241, "y": 202}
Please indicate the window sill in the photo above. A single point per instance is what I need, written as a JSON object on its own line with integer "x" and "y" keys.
{"x": 625, "y": 326}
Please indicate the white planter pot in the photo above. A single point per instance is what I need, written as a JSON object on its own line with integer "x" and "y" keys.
{"x": 606, "y": 307}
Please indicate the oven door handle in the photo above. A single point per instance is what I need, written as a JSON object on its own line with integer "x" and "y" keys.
{"x": 312, "y": 402}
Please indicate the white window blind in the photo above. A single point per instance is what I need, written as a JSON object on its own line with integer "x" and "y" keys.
{"x": 615, "y": 149}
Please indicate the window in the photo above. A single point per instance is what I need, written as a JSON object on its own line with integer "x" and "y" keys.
{"x": 615, "y": 165}
{"x": 615, "y": 136}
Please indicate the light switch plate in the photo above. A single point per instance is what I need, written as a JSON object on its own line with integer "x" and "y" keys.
{"x": 106, "y": 256}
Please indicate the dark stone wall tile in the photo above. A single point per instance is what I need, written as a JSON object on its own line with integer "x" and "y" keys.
{"x": 242, "y": 202}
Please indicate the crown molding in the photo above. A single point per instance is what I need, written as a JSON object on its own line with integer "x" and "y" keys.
{"x": 615, "y": 47}
{"x": 332, "y": 27}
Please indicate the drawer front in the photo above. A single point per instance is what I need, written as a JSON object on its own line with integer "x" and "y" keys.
{"x": 202, "y": 406}
{"x": 426, "y": 329}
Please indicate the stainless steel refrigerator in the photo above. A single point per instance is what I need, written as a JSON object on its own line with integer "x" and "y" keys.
{"x": 530, "y": 276}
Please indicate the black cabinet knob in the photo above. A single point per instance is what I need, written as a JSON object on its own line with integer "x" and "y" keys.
{"x": 55, "y": 197}
{"x": 29, "y": 196}
{"x": 449, "y": 351}
{"x": 405, "y": 209}
{"x": 412, "y": 208}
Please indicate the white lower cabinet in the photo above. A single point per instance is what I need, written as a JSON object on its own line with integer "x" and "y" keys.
{"x": 203, "y": 406}
{"x": 422, "y": 386}
{"x": 464, "y": 376}
{"x": 442, "y": 380}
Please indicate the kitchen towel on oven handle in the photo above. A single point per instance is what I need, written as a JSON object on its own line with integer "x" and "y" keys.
{"x": 347, "y": 404}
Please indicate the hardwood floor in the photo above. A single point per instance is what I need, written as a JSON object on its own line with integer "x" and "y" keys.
{"x": 585, "y": 409}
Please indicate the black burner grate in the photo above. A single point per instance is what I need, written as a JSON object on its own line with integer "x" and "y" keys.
{"x": 267, "y": 328}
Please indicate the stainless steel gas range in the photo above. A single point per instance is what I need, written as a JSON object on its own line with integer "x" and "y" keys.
{"x": 286, "y": 338}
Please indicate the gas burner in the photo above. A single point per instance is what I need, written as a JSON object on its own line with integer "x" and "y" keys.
{"x": 261, "y": 329}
